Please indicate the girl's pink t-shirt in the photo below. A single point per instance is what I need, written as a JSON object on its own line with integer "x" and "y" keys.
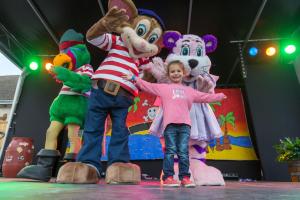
{"x": 177, "y": 100}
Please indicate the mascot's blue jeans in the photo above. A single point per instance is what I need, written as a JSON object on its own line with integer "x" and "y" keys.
{"x": 177, "y": 141}
{"x": 100, "y": 105}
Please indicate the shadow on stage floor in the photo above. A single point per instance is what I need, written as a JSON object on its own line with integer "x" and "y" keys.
{"x": 11, "y": 189}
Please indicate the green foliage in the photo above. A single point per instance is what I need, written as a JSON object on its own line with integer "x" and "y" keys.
{"x": 222, "y": 120}
{"x": 288, "y": 149}
{"x": 212, "y": 105}
{"x": 229, "y": 118}
{"x": 135, "y": 102}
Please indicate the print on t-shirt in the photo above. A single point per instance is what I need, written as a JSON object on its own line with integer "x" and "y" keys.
{"x": 178, "y": 93}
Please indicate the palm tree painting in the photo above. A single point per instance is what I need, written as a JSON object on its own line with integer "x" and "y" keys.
{"x": 212, "y": 105}
{"x": 224, "y": 121}
{"x": 219, "y": 147}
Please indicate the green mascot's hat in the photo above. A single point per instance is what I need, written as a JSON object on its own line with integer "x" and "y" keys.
{"x": 70, "y": 38}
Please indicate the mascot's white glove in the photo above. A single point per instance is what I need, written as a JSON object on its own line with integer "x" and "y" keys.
{"x": 158, "y": 69}
{"x": 206, "y": 84}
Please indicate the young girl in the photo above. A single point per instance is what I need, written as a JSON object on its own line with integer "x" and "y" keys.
{"x": 176, "y": 101}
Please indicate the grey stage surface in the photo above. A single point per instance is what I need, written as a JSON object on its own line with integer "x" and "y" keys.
{"x": 11, "y": 189}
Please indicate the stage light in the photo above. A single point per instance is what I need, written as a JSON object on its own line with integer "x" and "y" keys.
{"x": 289, "y": 49}
{"x": 38, "y": 64}
{"x": 48, "y": 66}
{"x": 253, "y": 51}
{"x": 33, "y": 66}
{"x": 271, "y": 51}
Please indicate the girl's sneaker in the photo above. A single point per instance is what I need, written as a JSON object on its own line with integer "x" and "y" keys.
{"x": 186, "y": 182}
{"x": 170, "y": 182}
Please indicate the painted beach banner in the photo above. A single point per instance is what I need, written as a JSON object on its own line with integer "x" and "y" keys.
{"x": 235, "y": 144}
{"x": 142, "y": 145}
{"x": 236, "y": 141}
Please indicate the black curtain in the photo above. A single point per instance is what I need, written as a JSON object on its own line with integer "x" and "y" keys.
{"x": 273, "y": 94}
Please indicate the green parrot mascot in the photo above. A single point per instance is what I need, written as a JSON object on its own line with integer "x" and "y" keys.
{"x": 70, "y": 67}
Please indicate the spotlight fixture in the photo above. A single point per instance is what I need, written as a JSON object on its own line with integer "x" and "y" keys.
{"x": 33, "y": 66}
{"x": 271, "y": 51}
{"x": 290, "y": 49}
{"x": 48, "y": 66}
{"x": 253, "y": 51}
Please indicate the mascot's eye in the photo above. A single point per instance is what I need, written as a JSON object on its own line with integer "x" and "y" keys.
{"x": 141, "y": 30}
{"x": 152, "y": 38}
{"x": 199, "y": 51}
{"x": 185, "y": 51}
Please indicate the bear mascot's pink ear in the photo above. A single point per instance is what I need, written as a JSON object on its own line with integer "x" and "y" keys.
{"x": 170, "y": 38}
{"x": 211, "y": 43}
{"x": 128, "y": 5}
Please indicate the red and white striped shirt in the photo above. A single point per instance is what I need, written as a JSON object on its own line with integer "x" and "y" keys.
{"x": 83, "y": 70}
{"x": 118, "y": 61}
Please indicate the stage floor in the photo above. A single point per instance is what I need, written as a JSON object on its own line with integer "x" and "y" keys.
{"x": 11, "y": 189}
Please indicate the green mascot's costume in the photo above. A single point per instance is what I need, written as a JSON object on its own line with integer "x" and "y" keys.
{"x": 71, "y": 67}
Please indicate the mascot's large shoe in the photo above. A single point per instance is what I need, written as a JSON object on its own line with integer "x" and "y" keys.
{"x": 43, "y": 169}
{"x": 76, "y": 172}
{"x": 123, "y": 173}
{"x": 117, "y": 173}
{"x": 203, "y": 174}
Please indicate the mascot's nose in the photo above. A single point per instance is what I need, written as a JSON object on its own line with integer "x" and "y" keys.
{"x": 193, "y": 63}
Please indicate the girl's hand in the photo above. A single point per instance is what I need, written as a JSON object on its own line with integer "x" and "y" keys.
{"x": 223, "y": 96}
{"x": 129, "y": 76}
{"x": 220, "y": 96}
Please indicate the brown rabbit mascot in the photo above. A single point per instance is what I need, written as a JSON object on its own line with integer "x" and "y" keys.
{"x": 140, "y": 33}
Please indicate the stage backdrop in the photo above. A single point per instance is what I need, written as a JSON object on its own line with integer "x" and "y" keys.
{"x": 230, "y": 114}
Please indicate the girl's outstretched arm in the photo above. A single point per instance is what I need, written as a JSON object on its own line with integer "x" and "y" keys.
{"x": 152, "y": 88}
{"x": 201, "y": 97}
